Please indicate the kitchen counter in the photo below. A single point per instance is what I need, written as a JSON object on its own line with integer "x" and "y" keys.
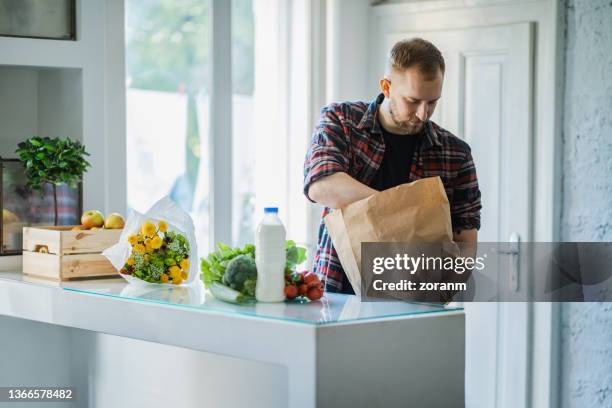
{"x": 337, "y": 352}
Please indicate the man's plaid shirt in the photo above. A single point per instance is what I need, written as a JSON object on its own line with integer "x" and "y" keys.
{"x": 348, "y": 139}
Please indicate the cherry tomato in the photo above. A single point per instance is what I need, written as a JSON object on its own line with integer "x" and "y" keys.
{"x": 314, "y": 293}
{"x": 291, "y": 291}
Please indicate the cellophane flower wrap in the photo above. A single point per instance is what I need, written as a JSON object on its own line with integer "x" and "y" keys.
{"x": 157, "y": 248}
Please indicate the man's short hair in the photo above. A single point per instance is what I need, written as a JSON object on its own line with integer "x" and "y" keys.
{"x": 417, "y": 52}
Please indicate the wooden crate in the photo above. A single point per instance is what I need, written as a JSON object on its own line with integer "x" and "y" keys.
{"x": 59, "y": 253}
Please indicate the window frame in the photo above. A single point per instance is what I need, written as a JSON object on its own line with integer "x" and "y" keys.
{"x": 302, "y": 51}
{"x": 220, "y": 125}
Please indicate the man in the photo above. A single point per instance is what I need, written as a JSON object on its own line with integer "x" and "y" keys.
{"x": 359, "y": 149}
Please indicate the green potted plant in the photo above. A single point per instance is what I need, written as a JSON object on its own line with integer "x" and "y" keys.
{"x": 54, "y": 161}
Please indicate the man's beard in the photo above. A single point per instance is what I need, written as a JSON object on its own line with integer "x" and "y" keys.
{"x": 409, "y": 128}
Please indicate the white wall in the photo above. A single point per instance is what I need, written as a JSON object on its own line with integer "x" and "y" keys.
{"x": 60, "y": 103}
{"x": 348, "y": 51}
{"x": 586, "y": 328}
{"x": 18, "y": 107}
{"x": 39, "y": 102}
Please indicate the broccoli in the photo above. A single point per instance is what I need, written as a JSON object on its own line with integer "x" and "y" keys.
{"x": 239, "y": 270}
{"x": 249, "y": 287}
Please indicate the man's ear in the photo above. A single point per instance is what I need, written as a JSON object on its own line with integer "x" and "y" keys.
{"x": 385, "y": 85}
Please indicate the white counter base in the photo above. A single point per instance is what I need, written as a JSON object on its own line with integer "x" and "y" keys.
{"x": 193, "y": 358}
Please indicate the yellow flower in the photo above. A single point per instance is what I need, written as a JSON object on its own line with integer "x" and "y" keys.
{"x": 177, "y": 280}
{"x": 163, "y": 227}
{"x": 164, "y": 278}
{"x": 147, "y": 244}
{"x": 184, "y": 264}
{"x": 184, "y": 275}
{"x": 132, "y": 239}
{"x": 156, "y": 242}
{"x": 139, "y": 248}
{"x": 148, "y": 229}
{"x": 174, "y": 272}
{"x": 130, "y": 261}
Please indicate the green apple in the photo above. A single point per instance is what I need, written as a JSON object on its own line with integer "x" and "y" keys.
{"x": 92, "y": 218}
{"x": 114, "y": 221}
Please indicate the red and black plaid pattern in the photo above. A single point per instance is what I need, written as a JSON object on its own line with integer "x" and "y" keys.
{"x": 348, "y": 139}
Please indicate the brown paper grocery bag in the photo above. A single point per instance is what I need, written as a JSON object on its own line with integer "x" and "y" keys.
{"x": 416, "y": 212}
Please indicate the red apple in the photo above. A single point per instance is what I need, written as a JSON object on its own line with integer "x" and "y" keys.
{"x": 92, "y": 218}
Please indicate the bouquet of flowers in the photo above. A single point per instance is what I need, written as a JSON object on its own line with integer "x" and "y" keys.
{"x": 158, "y": 255}
{"x": 157, "y": 248}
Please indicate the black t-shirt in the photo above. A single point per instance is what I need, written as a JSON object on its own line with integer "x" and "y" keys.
{"x": 397, "y": 160}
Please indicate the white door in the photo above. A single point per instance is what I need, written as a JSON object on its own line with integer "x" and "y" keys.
{"x": 486, "y": 101}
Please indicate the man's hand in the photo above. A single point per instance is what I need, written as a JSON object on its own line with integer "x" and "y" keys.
{"x": 470, "y": 235}
{"x": 466, "y": 239}
{"x": 338, "y": 190}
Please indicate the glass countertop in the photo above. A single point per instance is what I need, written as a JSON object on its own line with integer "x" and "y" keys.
{"x": 332, "y": 308}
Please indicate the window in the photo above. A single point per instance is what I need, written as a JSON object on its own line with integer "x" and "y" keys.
{"x": 167, "y": 58}
{"x": 270, "y": 108}
{"x": 177, "y": 96}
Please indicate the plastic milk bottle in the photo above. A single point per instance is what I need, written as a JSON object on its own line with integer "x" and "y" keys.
{"x": 270, "y": 257}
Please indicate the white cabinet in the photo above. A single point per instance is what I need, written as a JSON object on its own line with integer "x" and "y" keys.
{"x": 73, "y": 89}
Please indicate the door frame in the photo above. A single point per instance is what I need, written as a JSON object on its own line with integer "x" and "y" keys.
{"x": 541, "y": 333}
